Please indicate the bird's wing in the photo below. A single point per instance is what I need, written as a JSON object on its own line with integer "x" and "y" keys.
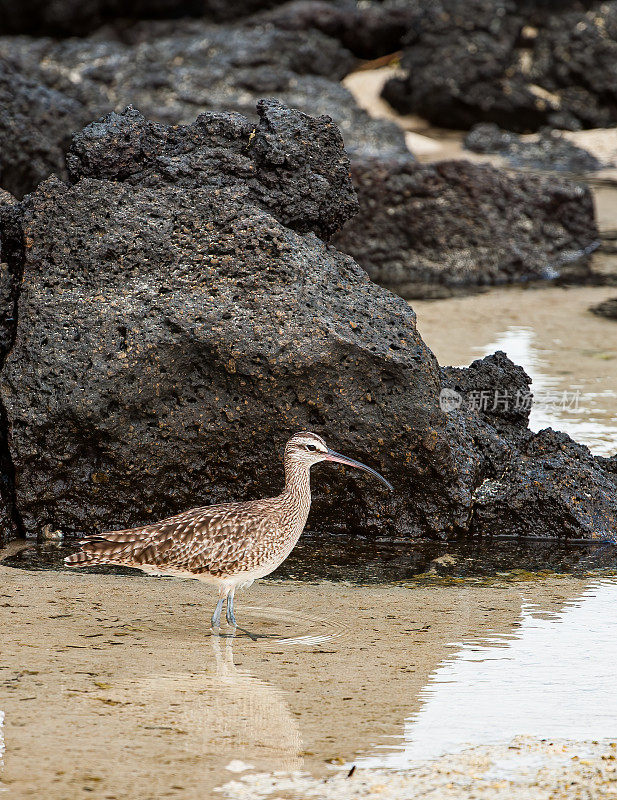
{"x": 210, "y": 539}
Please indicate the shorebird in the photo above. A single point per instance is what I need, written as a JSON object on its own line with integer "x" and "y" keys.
{"x": 229, "y": 545}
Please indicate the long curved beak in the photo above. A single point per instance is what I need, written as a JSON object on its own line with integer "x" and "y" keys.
{"x": 332, "y": 455}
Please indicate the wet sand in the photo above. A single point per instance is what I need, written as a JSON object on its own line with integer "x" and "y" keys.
{"x": 114, "y": 685}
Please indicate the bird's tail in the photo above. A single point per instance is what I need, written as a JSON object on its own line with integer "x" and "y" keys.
{"x": 109, "y": 548}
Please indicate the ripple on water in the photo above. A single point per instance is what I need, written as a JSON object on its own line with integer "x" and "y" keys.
{"x": 282, "y": 626}
{"x": 554, "y": 678}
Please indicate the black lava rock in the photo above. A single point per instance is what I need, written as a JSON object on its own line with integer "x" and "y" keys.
{"x": 428, "y": 230}
{"x": 36, "y": 124}
{"x": 171, "y": 71}
{"x": 171, "y": 336}
{"x": 541, "y": 484}
{"x": 523, "y": 66}
{"x": 78, "y": 17}
{"x": 368, "y": 29}
{"x": 549, "y": 150}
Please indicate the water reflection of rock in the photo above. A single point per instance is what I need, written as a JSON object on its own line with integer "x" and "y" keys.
{"x": 551, "y": 677}
{"x": 228, "y": 712}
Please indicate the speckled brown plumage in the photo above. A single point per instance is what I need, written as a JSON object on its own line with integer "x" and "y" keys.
{"x": 219, "y": 540}
{"x": 228, "y": 544}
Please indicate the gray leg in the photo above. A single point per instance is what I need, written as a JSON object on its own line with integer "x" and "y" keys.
{"x": 230, "y": 609}
{"x": 216, "y": 617}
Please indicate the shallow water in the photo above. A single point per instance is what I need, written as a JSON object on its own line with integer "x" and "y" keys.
{"x": 118, "y": 685}
{"x": 552, "y": 677}
{"x": 362, "y": 560}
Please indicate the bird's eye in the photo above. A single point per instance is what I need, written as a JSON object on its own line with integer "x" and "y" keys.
{"x": 311, "y": 447}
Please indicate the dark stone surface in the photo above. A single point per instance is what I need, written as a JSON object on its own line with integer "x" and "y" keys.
{"x": 36, "y": 124}
{"x": 427, "y": 230}
{"x": 367, "y": 29}
{"x": 11, "y": 258}
{"x": 552, "y": 486}
{"x": 77, "y": 17}
{"x": 173, "y": 331}
{"x": 172, "y": 71}
{"x": 190, "y": 333}
{"x": 548, "y": 151}
{"x": 606, "y": 309}
{"x": 544, "y": 484}
{"x": 290, "y": 164}
{"x": 521, "y": 65}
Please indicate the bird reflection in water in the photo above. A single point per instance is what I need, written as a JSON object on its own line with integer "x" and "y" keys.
{"x": 228, "y": 715}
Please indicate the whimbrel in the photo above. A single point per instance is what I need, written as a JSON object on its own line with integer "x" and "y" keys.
{"x": 229, "y": 545}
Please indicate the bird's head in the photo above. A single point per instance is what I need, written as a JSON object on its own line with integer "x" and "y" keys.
{"x": 308, "y": 448}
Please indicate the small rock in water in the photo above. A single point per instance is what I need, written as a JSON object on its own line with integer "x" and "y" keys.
{"x": 607, "y": 309}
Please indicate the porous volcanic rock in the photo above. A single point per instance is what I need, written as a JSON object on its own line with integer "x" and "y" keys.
{"x": 290, "y": 164}
{"x": 521, "y": 65}
{"x": 11, "y": 257}
{"x": 428, "y": 230}
{"x": 549, "y": 150}
{"x": 172, "y": 71}
{"x": 172, "y": 336}
{"x": 36, "y": 124}
{"x": 541, "y": 484}
{"x": 367, "y": 29}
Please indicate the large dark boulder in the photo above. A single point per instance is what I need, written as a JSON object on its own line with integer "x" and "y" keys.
{"x": 171, "y": 336}
{"x": 520, "y": 65}
{"x": 426, "y": 230}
